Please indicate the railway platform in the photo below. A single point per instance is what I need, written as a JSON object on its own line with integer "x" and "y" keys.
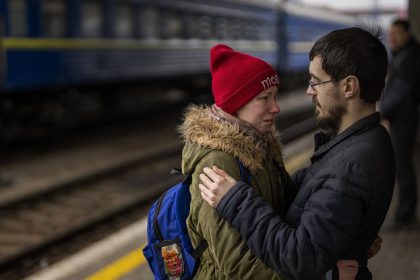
{"x": 38, "y": 174}
{"x": 120, "y": 257}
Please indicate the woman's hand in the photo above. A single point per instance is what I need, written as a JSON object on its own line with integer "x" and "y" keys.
{"x": 375, "y": 247}
{"x": 347, "y": 269}
{"x": 215, "y": 183}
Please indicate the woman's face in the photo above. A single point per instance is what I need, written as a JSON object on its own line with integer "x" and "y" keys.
{"x": 261, "y": 111}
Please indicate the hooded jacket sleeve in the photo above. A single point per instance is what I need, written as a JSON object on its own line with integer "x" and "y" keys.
{"x": 227, "y": 250}
{"x": 325, "y": 231}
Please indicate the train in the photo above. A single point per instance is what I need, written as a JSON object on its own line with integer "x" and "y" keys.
{"x": 50, "y": 49}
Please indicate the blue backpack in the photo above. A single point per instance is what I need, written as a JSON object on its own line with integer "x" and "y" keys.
{"x": 169, "y": 251}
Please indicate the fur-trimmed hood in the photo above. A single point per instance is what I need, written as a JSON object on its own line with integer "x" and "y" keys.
{"x": 204, "y": 129}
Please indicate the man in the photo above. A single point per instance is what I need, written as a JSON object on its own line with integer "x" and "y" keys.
{"x": 399, "y": 108}
{"x": 345, "y": 193}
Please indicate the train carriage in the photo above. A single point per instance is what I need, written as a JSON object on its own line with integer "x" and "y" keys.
{"x": 303, "y": 26}
{"x": 73, "y": 42}
{"x": 299, "y": 28}
{"x": 64, "y": 62}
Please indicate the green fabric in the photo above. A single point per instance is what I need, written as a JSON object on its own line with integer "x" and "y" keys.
{"x": 227, "y": 256}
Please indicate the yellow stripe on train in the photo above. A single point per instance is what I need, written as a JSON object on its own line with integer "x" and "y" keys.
{"x": 68, "y": 43}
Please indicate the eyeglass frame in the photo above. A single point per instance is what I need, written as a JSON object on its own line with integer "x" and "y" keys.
{"x": 313, "y": 85}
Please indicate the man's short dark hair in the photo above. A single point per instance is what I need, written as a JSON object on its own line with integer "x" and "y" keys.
{"x": 354, "y": 51}
{"x": 403, "y": 23}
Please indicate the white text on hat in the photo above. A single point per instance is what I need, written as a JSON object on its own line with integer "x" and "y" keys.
{"x": 270, "y": 81}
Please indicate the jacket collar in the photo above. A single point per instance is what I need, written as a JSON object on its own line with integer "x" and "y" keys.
{"x": 325, "y": 142}
{"x": 204, "y": 128}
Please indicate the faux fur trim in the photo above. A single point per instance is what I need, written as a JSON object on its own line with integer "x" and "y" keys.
{"x": 201, "y": 127}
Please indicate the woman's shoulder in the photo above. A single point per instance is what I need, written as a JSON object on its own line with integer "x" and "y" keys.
{"x": 218, "y": 158}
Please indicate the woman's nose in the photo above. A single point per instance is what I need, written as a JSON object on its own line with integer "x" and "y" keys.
{"x": 275, "y": 108}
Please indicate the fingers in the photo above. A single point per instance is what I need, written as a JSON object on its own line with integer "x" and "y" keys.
{"x": 211, "y": 175}
{"x": 206, "y": 180}
{"x": 375, "y": 247}
{"x": 347, "y": 269}
{"x": 215, "y": 183}
{"x": 373, "y": 250}
{"x": 378, "y": 241}
{"x": 209, "y": 191}
{"x": 207, "y": 196}
{"x": 219, "y": 171}
{"x": 223, "y": 174}
{"x": 348, "y": 263}
{"x": 347, "y": 274}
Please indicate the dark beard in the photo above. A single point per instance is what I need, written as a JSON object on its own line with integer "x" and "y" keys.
{"x": 331, "y": 123}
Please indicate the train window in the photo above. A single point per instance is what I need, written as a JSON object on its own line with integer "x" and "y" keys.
{"x": 221, "y": 28}
{"x": 191, "y": 27}
{"x": 234, "y": 29}
{"x": 265, "y": 31}
{"x": 148, "y": 23}
{"x": 18, "y": 18}
{"x": 204, "y": 27}
{"x": 54, "y": 18}
{"x": 92, "y": 19}
{"x": 171, "y": 25}
{"x": 248, "y": 30}
{"x": 124, "y": 21}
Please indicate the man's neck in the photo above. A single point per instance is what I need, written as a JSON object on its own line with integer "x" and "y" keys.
{"x": 351, "y": 118}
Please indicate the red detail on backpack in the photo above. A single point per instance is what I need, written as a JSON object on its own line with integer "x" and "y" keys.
{"x": 172, "y": 259}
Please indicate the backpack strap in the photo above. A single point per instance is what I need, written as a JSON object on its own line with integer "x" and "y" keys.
{"x": 246, "y": 175}
{"x": 198, "y": 252}
{"x": 156, "y": 227}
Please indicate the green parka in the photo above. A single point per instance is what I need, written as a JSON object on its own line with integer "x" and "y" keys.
{"x": 210, "y": 140}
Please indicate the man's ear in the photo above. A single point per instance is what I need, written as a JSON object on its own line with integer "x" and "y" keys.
{"x": 351, "y": 86}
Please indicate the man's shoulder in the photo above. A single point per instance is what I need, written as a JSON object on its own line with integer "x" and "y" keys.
{"x": 370, "y": 146}
{"x": 366, "y": 151}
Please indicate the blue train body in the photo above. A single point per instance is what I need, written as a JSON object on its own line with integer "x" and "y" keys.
{"x": 71, "y": 43}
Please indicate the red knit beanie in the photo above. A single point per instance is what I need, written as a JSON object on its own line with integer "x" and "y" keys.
{"x": 238, "y": 77}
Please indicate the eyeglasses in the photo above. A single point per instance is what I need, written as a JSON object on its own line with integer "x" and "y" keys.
{"x": 313, "y": 85}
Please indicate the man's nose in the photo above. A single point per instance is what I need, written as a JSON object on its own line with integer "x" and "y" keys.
{"x": 310, "y": 91}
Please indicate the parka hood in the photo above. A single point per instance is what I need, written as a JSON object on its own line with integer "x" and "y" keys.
{"x": 202, "y": 131}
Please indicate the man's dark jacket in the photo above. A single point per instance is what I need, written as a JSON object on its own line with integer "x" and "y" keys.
{"x": 341, "y": 204}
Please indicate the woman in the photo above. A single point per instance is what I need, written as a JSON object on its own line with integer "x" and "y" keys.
{"x": 239, "y": 126}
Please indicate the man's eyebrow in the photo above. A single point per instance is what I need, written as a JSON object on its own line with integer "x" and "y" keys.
{"x": 314, "y": 76}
